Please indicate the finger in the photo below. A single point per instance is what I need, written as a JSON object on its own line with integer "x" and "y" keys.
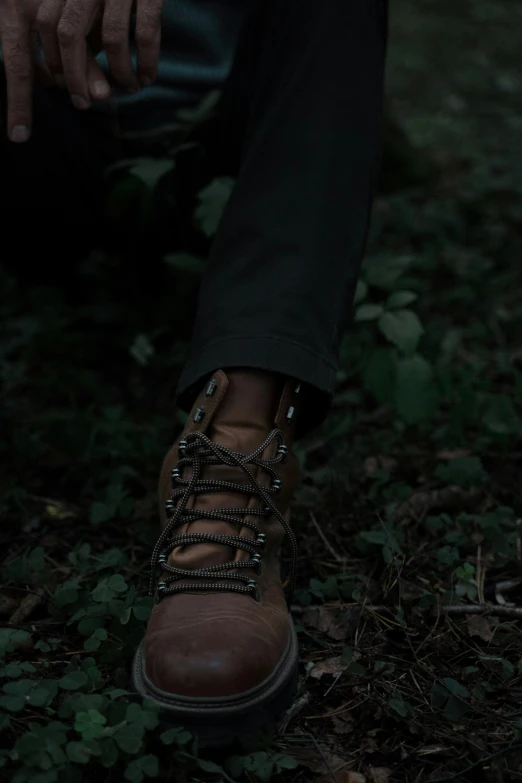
{"x": 18, "y": 64}
{"x": 47, "y": 19}
{"x": 99, "y": 87}
{"x": 116, "y": 42}
{"x": 73, "y": 28}
{"x": 148, "y": 39}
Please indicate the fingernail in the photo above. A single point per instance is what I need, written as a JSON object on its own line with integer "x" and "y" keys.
{"x": 19, "y": 134}
{"x": 101, "y": 89}
{"x": 60, "y": 81}
{"x": 79, "y": 102}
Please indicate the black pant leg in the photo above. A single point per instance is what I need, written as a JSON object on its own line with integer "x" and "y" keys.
{"x": 285, "y": 260}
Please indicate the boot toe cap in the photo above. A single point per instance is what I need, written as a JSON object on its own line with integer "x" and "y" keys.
{"x": 217, "y": 670}
{"x": 214, "y": 654}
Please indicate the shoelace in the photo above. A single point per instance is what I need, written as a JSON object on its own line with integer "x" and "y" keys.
{"x": 197, "y": 450}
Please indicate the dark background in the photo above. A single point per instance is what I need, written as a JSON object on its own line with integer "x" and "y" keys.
{"x": 408, "y": 516}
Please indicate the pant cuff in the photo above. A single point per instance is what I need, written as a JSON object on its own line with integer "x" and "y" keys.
{"x": 264, "y": 353}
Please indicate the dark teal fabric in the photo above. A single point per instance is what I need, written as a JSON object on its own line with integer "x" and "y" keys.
{"x": 199, "y": 39}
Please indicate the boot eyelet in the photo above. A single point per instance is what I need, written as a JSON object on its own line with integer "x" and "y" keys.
{"x": 199, "y": 414}
{"x": 162, "y": 559}
{"x": 290, "y": 414}
{"x": 162, "y": 586}
{"x": 253, "y": 588}
{"x": 182, "y": 445}
{"x": 261, "y": 539}
{"x": 169, "y": 507}
{"x": 211, "y": 388}
{"x": 175, "y": 474}
{"x": 256, "y": 562}
{"x": 277, "y": 484}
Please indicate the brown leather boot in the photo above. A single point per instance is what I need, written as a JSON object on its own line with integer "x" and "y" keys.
{"x": 220, "y": 652}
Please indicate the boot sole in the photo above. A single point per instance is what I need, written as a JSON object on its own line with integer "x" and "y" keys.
{"x": 222, "y": 721}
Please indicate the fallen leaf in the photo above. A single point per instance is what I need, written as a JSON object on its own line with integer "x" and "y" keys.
{"x": 342, "y": 726}
{"x": 352, "y": 777}
{"x": 331, "y": 666}
{"x": 25, "y": 608}
{"x": 478, "y": 625}
{"x": 322, "y": 763}
{"x": 431, "y": 750}
{"x": 447, "y": 499}
{"x": 336, "y": 624}
{"x": 379, "y": 774}
{"x": 324, "y": 620}
{"x": 369, "y": 744}
{"x": 59, "y": 511}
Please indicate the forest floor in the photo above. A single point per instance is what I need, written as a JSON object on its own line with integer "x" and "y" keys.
{"x": 409, "y": 518}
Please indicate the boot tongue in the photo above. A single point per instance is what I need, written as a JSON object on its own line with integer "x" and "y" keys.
{"x": 247, "y": 412}
{"x": 241, "y": 423}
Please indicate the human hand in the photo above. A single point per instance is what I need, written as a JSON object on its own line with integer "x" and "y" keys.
{"x": 65, "y": 28}
{"x": 19, "y": 28}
